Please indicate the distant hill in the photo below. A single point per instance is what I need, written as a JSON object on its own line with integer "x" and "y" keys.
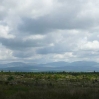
{"x": 78, "y": 66}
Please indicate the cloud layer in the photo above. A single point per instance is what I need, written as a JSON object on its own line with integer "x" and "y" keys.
{"x": 49, "y": 30}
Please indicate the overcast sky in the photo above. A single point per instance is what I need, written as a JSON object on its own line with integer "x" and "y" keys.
{"x": 44, "y": 31}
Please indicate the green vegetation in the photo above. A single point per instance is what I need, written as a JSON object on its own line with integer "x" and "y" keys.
{"x": 61, "y": 85}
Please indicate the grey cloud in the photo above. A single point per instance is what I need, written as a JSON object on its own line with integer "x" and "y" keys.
{"x": 3, "y": 14}
{"x": 94, "y": 36}
{"x": 69, "y": 15}
{"x": 86, "y": 54}
{"x": 33, "y": 26}
{"x": 65, "y": 17}
{"x": 47, "y": 24}
{"x": 58, "y": 49}
{"x": 19, "y": 44}
{"x": 23, "y": 54}
{"x": 3, "y": 11}
{"x": 50, "y": 50}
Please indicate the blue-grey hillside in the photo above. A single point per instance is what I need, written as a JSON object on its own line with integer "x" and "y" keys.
{"x": 78, "y": 66}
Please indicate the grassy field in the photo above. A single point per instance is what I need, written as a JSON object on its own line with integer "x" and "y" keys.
{"x": 61, "y": 85}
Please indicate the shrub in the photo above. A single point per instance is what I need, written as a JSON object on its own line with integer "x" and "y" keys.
{"x": 10, "y": 78}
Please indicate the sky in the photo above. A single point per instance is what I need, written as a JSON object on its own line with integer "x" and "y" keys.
{"x": 42, "y": 31}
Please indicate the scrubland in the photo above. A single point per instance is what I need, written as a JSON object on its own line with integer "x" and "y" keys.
{"x": 49, "y": 85}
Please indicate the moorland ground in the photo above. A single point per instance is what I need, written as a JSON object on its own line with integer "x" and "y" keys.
{"x": 49, "y": 85}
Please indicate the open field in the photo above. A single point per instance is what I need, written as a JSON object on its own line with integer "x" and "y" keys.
{"x": 61, "y": 85}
